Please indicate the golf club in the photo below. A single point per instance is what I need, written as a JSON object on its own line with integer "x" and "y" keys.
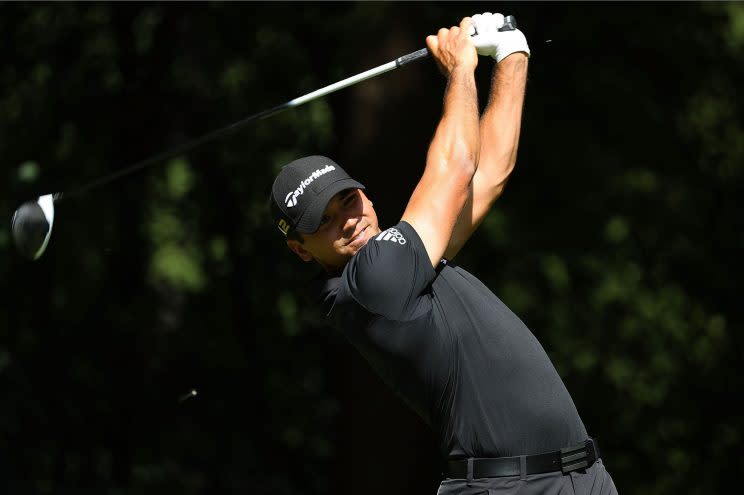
{"x": 32, "y": 222}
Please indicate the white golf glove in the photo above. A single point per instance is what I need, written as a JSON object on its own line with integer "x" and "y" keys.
{"x": 488, "y": 40}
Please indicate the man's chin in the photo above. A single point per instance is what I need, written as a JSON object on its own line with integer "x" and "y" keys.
{"x": 360, "y": 240}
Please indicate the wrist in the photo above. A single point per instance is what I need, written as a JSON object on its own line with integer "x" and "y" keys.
{"x": 463, "y": 69}
{"x": 518, "y": 57}
{"x": 509, "y": 43}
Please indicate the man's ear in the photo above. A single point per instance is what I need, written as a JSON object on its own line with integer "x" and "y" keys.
{"x": 299, "y": 250}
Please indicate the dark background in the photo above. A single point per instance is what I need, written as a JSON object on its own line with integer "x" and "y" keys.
{"x": 618, "y": 241}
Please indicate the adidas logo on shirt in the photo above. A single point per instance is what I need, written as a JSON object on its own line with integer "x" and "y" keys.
{"x": 392, "y": 235}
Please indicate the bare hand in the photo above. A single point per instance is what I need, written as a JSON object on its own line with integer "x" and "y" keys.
{"x": 453, "y": 48}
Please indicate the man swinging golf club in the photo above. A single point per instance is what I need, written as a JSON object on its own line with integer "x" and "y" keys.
{"x": 442, "y": 340}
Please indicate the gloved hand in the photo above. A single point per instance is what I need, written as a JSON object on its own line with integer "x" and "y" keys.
{"x": 488, "y": 40}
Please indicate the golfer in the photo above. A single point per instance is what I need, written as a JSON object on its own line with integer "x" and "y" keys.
{"x": 438, "y": 337}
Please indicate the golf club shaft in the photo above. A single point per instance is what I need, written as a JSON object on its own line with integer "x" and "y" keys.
{"x": 509, "y": 24}
{"x": 183, "y": 148}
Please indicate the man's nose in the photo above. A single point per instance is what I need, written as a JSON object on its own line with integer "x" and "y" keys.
{"x": 350, "y": 225}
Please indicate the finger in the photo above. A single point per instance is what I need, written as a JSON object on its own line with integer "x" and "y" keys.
{"x": 475, "y": 25}
{"x": 487, "y": 21}
{"x": 432, "y": 43}
{"x": 442, "y": 34}
{"x": 498, "y": 21}
{"x": 466, "y": 23}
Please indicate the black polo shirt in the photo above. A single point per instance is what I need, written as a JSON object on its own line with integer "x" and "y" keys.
{"x": 452, "y": 350}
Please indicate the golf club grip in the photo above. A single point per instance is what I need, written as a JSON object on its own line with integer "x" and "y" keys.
{"x": 510, "y": 24}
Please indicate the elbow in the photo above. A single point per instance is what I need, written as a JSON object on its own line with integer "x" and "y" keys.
{"x": 470, "y": 162}
{"x": 463, "y": 159}
{"x": 454, "y": 159}
{"x": 498, "y": 183}
{"x": 496, "y": 171}
{"x": 507, "y": 172}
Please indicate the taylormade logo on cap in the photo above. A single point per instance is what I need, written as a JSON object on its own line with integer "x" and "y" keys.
{"x": 291, "y": 199}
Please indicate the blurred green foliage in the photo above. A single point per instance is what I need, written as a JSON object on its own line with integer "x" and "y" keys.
{"x": 618, "y": 241}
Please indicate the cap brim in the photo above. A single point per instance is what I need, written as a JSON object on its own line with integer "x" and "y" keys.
{"x": 310, "y": 220}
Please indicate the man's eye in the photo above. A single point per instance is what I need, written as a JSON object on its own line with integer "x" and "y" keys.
{"x": 350, "y": 199}
{"x": 324, "y": 219}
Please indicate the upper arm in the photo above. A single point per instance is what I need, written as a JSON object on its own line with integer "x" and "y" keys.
{"x": 436, "y": 203}
{"x": 483, "y": 193}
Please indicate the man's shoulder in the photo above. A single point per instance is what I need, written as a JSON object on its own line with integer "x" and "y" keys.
{"x": 385, "y": 277}
{"x": 397, "y": 234}
{"x": 390, "y": 273}
{"x": 391, "y": 253}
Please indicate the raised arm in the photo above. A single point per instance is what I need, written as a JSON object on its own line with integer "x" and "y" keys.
{"x": 453, "y": 153}
{"x": 499, "y": 136}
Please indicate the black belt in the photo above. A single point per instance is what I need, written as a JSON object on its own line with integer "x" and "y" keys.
{"x": 569, "y": 459}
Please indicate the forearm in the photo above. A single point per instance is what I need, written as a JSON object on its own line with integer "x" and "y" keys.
{"x": 501, "y": 122}
{"x": 456, "y": 143}
{"x": 499, "y": 139}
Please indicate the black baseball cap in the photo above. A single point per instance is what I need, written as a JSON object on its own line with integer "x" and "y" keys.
{"x": 302, "y": 191}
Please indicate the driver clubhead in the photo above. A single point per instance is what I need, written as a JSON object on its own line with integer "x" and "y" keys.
{"x": 32, "y": 226}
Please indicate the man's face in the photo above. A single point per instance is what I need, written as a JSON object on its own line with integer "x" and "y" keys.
{"x": 348, "y": 222}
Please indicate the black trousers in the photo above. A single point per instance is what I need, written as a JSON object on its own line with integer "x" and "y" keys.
{"x": 593, "y": 481}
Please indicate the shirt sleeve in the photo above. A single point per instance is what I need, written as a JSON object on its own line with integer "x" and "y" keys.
{"x": 391, "y": 274}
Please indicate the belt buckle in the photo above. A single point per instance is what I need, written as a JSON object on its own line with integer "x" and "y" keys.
{"x": 574, "y": 458}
